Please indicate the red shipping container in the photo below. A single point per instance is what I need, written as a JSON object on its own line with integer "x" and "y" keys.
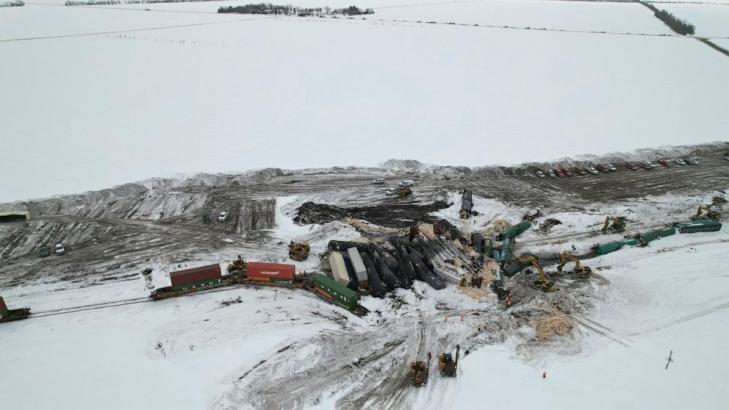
{"x": 207, "y": 272}
{"x": 3, "y": 307}
{"x": 270, "y": 271}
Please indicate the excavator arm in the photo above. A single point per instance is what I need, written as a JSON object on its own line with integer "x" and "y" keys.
{"x": 565, "y": 258}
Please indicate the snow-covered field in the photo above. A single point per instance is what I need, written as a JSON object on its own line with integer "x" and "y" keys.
{"x": 193, "y": 352}
{"x": 237, "y": 92}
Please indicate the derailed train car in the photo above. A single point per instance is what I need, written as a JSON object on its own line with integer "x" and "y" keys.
{"x": 9, "y": 315}
{"x": 192, "y": 280}
{"x": 338, "y": 294}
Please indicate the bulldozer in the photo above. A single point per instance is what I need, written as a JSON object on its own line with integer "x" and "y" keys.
{"x": 447, "y": 364}
{"x": 579, "y": 270}
{"x": 705, "y": 212}
{"x": 614, "y": 224}
{"x": 418, "y": 373}
{"x": 404, "y": 192}
{"x": 299, "y": 251}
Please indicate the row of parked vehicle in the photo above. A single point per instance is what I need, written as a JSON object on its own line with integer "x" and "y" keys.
{"x": 607, "y": 168}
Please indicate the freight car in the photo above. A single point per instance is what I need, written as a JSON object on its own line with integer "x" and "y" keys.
{"x": 338, "y": 294}
{"x": 271, "y": 274}
{"x": 193, "y": 280}
{"x": 8, "y": 315}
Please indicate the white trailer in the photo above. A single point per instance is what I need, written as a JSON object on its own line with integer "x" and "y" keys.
{"x": 339, "y": 269}
{"x": 359, "y": 267}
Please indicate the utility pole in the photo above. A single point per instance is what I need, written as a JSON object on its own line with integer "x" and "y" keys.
{"x": 670, "y": 359}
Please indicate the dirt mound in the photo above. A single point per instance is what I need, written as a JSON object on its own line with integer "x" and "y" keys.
{"x": 553, "y": 324}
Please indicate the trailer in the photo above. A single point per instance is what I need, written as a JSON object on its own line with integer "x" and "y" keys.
{"x": 275, "y": 274}
{"x": 339, "y": 269}
{"x": 359, "y": 267}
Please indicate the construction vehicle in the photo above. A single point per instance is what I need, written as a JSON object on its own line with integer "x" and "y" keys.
{"x": 614, "y": 224}
{"x": 299, "y": 251}
{"x": 579, "y": 270}
{"x": 418, "y": 373}
{"x": 404, "y": 192}
{"x": 447, "y": 364}
{"x": 516, "y": 265}
{"x": 705, "y": 212}
{"x": 237, "y": 269}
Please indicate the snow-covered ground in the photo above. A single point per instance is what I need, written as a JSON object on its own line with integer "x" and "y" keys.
{"x": 221, "y": 93}
{"x": 193, "y": 352}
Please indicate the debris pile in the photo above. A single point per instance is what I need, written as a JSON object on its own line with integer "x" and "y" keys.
{"x": 553, "y": 324}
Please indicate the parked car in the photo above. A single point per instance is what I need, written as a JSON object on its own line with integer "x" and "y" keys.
{"x": 663, "y": 162}
{"x": 726, "y": 157}
{"x": 679, "y": 161}
{"x": 223, "y": 216}
{"x": 692, "y": 161}
{"x": 378, "y": 181}
{"x": 630, "y": 166}
{"x": 602, "y": 168}
{"x": 558, "y": 172}
{"x": 579, "y": 171}
{"x": 43, "y": 251}
{"x": 391, "y": 191}
{"x": 592, "y": 170}
{"x": 551, "y": 173}
{"x": 645, "y": 165}
{"x": 60, "y": 250}
{"x": 611, "y": 167}
{"x": 566, "y": 171}
{"x": 407, "y": 183}
{"x": 540, "y": 174}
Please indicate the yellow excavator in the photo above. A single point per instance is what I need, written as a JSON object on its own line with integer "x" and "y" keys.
{"x": 614, "y": 224}
{"x": 705, "y": 212}
{"x": 299, "y": 251}
{"x": 447, "y": 364}
{"x": 579, "y": 270}
{"x": 516, "y": 265}
{"x": 418, "y": 373}
{"x": 404, "y": 192}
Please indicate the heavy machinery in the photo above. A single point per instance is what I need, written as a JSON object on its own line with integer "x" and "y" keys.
{"x": 705, "y": 212}
{"x": 579, "y": 270}
{"x": 515, "y": 265}
{"x": 404, "y": 192}
{"x": 447, "y": 364}
{"x": 418, "y": 373}
{"x": 614, "y": 224}
{"x": 237, "y": 268}
{"x": 299, "y": 251}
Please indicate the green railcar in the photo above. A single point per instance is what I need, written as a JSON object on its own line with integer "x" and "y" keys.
{"x": 340, "y": 295}
{"x": 515, "y": 230}
{"x": 655, "y": 234}
{"x": 609, "y": 247}
{"x": 701, "y": 225}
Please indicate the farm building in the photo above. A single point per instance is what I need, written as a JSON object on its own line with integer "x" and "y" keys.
{"x": 193, "y": 278}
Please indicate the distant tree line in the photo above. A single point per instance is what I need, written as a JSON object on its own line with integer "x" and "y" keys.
{"x": 676, "y": 24}
{"x": 287, "y": 10}
{"x": 17, "y": 3}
